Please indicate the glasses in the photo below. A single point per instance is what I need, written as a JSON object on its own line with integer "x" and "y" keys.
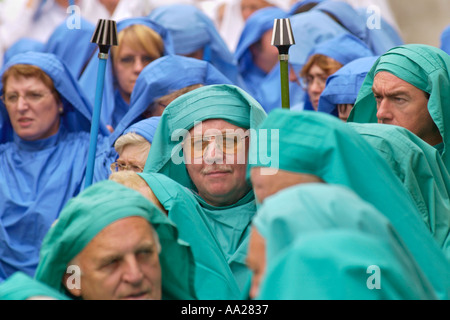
{"x": 229, "y": 143}
{"x": 33, "y": 97}
{"x": 129, "y": 61}
{"x": 306, "y": 82}
{"x": 117, "y": 166}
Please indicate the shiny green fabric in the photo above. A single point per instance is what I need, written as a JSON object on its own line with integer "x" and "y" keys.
{"x": 21, "y": 286}
{"x": 322, "y": 145}
{"x": 321, "y": 240}
{"x": 226, "y": 102}
{"x": 425, "y": 67}
{"x": 218, "y": 237}
{"x": 421, "y": 170}
{"x": 94, "y": 209}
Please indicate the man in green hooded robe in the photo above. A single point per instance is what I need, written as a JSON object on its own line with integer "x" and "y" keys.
{"x": 323, "y": 242}
{"x": 320, "y": 145}
{"x": 197, "y": 170}
{"x": 109, "y": 234}
{"x": 421, "y": 170}
{"x": 409, "y": 86}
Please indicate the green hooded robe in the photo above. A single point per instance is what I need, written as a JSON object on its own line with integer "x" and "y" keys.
{"x": 218, "y": 235}
{"x": 425, "y": 67}
{"x": 324, "y": 242}
{"x": 94, "y": 209}
{"x": 324, "y": 146}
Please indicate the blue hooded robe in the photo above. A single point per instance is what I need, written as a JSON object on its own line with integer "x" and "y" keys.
{"x": 379, "y": 38}
{"x": 39, "y": 177}
{"x": 192, "y": 30}
{"x": 342, "y": 87}
{"x": 344, "y": 49}
{"x": 73, "y": 46}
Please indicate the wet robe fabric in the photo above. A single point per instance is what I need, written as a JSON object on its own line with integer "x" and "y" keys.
{"x": 380, "y": 36}
{"x": 321, "y": 240}
{"x": 322, "y": 145}
{"x": 219, "y": 258}
{"x": 224, "y": 230}
{"x": 425, "y": 67}
{"x": 342, "y": 87}
{"x": 39, "y": 177}
{"x": 445, "y": 40}
{"x": 113, "y": 105}
{"x": 192, "y": 30}
{"x": 94, "y": 209}
{"x": 21, "y": 286}
{"x": 421, "y": 170}
{"x": 73, "y": 45}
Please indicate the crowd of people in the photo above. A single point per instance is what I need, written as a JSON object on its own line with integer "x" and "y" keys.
{"x": 204, "y": 187}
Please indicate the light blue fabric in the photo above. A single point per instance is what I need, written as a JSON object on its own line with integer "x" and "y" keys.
{"x": 342, "y": 48}
{"x": 22, "y": 45}
{"x": 379, "y": 38}
{"x": 192, "y": 30}
{"x": 296, "y": 6}
{"x": 39, "y": 177}
{"x": 343, "y": 86}
{"x": 445, "y": 40}
{"x": 113, "y": 105}
{"x": 145, "y": 128}
{"x": 265, "y": 88}
{"x": 73, "y": 46}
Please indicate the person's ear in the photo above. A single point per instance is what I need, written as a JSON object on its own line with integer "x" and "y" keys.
{"x": 74, "y": 290}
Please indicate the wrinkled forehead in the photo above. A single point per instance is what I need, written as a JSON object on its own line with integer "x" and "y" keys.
{"x": 218, "y": 125}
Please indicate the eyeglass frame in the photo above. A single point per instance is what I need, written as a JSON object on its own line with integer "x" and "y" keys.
{"x": 114, "y": 167}
{"x": 246, "y": 135}
{"x": 42, "y": 95}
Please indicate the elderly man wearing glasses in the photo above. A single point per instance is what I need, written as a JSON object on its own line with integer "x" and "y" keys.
{"x": 197, "y": 169}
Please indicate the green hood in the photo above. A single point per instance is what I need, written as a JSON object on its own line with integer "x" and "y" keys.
{"x": 324, "y": 146}
{"x": 94, "y": 209}
{"x": 321, "y": 239}
{"x": 421, "y": 170}
{"x": 226, "y": 102}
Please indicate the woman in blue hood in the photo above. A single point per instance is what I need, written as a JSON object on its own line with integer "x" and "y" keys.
{"x": 44, "y": 123}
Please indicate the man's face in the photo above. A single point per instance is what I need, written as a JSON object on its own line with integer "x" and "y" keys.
{"x": 402, "y": 104}
{"x": 120, "y": 262}
{"x": 265, "y": 185}
{"x": 219, "y": 174}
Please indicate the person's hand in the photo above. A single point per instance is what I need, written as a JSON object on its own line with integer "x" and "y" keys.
{"x": 110, "y": 128}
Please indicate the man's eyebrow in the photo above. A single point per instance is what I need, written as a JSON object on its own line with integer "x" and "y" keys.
{"x": 393, "y": 93}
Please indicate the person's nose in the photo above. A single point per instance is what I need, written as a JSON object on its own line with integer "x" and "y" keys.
{"x": 315, "y": 86}
{"x": 213, "y": 153}
{"x": 132, "y": 272}
{"x": 138, "y": 65}
{"x": 22, "y": 104}
{"x": 384, "y": 112}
